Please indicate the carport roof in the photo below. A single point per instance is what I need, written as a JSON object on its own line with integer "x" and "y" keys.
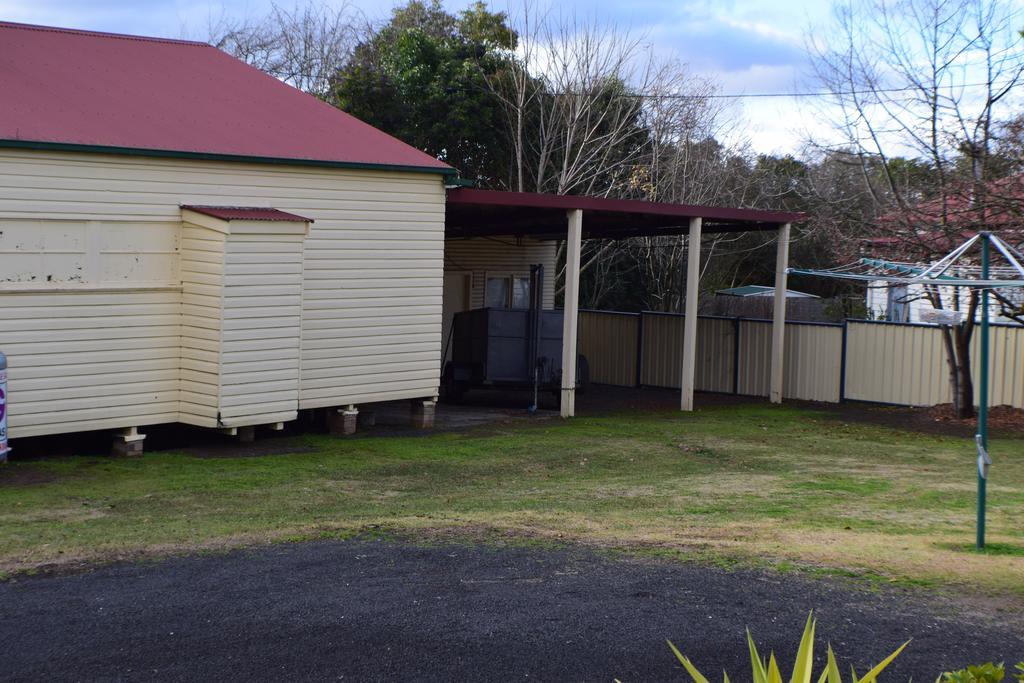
{"x": 476, "y": 213}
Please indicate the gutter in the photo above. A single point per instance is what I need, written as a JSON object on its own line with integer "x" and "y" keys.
{"x": 209, "y": 156}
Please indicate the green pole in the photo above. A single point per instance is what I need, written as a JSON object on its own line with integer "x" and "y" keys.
{"x": 983, "y": 395}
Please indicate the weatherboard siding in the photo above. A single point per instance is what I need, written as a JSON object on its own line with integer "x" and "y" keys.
{"x": 370, "y": 297}
{"x": 501, "y": 256}
{"x": 261, "y": 323}
{"x": 202, "y": 294}
{"x": 90, "y": 359}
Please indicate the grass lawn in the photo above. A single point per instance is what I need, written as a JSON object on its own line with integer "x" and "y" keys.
{"x": 750, "y": 484}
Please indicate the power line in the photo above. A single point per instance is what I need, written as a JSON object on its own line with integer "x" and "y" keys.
{"x": 820, "y": 93}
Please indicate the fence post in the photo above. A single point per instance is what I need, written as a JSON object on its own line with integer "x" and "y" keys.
{"x": 639, "y": 350}
{"x": 842, "y": 364}
{"x": 736, "y": 356}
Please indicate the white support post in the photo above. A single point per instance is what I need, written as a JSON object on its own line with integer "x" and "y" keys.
{"x": 690, "y": 317}
{"x": 779, "y": 315}
{"x": 570, "y": 311}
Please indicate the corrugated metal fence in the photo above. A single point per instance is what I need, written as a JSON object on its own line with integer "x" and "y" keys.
{"x": 858, "y": 360}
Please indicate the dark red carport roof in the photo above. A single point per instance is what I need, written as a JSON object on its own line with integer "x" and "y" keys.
{"x": 472, "y": 213}
{"x": 69, "y": 89}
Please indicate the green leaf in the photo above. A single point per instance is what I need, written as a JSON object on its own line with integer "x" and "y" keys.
{"x": 688, "y": 665}
{"x": 980, "y": 673}
{"x": 774, "y": 675}
{"x": 872, "y": 676}
{"x": 805, "y": 654}
{"x": 758, "y": 672}
{"x": 832, "y": 668}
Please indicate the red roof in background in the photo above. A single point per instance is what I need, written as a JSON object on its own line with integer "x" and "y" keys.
{"x": 246, "y": 213}
{"x": 920, "y": 226}
{"x": 69, "y": 87}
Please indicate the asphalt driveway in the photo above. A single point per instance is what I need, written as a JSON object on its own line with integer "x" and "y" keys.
{"x": 384, "y": 610}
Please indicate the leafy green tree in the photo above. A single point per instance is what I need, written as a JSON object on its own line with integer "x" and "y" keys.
{"x": 422, "y": 78}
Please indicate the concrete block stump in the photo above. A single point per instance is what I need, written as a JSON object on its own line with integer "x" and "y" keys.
{"x": 422, "y": 413}
{"x": 367, "y": 418}
{"x": 342, "y": 422}
{"x": 247, "y": 434}
{"x": 127, "y": 443}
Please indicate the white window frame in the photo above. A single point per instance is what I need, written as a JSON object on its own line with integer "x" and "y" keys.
{"x": 510, "y": 276}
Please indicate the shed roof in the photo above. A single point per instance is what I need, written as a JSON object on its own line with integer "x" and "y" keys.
{"x": 70, "y": 89}
{"x": 246, "y": 213}
{"x": 471, "y": 212}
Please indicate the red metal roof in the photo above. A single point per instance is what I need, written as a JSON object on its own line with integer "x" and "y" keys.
{"x": 471, "y": 212}
{"x": 246, "y": 213}
{"x": 940, "y": 225}
{"x": 63, "y": 87}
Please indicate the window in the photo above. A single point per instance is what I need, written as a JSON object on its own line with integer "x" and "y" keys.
{"x": 520, "y": 292}
{"x": 497, "y": 292}
{"x": 507, "y": 291}
{"x": 898, "y": 309}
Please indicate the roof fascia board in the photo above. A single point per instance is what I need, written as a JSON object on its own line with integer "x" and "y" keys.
{"x": 210, "y": 156}
{"x": 496, "y": 198}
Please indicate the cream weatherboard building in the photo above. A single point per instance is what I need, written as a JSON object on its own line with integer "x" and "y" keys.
{"x": 185, "y": 239}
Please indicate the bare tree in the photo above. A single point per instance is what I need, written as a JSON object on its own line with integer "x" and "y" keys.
{"x": 591, "y": 110}
{"x": 572, "y": 124}
{"x": 683, "y": 163}
{"x": 924, "y": 80}
{"x": 303, "y": 46}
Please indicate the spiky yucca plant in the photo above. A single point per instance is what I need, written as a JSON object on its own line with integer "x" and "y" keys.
{"x": 767, "y": 671}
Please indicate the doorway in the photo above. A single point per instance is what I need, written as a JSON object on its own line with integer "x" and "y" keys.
{"x": 455, "y": 299}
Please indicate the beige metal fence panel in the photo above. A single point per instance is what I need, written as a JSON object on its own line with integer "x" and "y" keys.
{"x": 813, "y": 359}
{"x": 1006, "y": 363}
{"x": 755, "y": 357}
{"x": 900, "y": 364}
{"x": 885, "y": 363}
{"x": 662, "y": 350}
{"x": 609, "y": 342}
{"x": 715, "y": 354}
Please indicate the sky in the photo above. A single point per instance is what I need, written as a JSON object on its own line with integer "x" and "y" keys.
{"x": 744, "y": 46}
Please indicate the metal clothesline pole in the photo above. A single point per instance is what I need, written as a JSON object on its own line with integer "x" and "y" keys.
{"x": 982, "y": 438}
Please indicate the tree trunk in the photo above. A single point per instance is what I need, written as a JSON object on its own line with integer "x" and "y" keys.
{"x": 954, "y": 373}
{"x": 964, "y": 402}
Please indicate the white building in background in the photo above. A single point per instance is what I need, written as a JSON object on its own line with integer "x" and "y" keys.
{"x": 902, "y": 303}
